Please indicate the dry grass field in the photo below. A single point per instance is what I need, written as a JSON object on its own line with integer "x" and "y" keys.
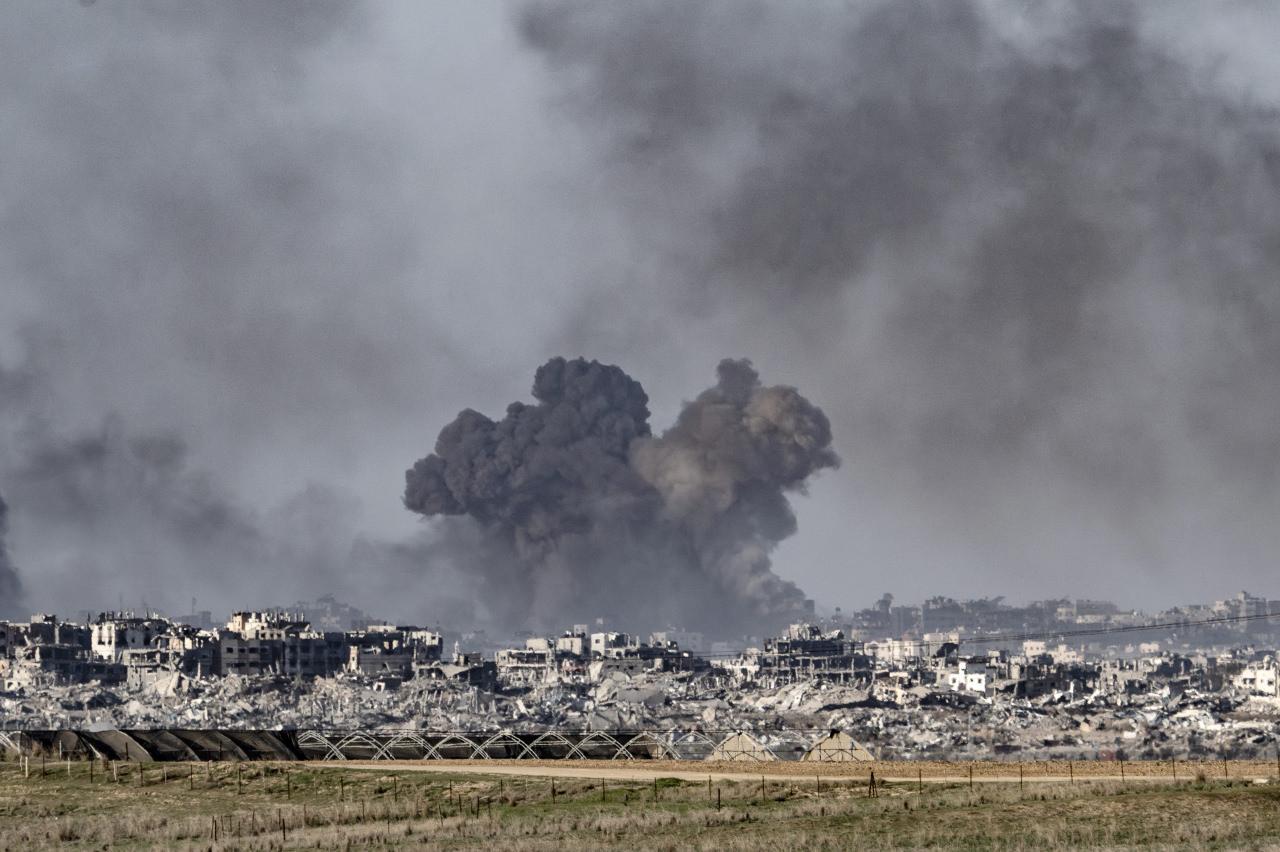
{"x": 263, "y": 806}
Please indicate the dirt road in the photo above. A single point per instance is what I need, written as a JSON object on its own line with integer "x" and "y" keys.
{"x": 932, "y": 772}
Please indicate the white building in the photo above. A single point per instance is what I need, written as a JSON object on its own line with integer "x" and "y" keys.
{"x": 898, "y": 650}
{"x": 573, "y": 644}
{"x": 973, "y": 677}
{"x": 526, "y": 666}
{"x": 604, "y": 643}
{"x": 1259, "y": 678}
{"x": 114, "y": 633}
{"x": 1064, "y": 656}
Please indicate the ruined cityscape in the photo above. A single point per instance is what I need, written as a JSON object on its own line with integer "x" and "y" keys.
{"x": 945, "y": 679}
{"x": 565, "y": 425}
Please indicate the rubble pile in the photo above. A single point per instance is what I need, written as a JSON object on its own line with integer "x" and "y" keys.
{"x": 1178, "y": 694}
{"x": 920, "y": 723}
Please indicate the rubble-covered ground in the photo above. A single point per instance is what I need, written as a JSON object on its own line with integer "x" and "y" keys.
{"x": 904, "y": 724}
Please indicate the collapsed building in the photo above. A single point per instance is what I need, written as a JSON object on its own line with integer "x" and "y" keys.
{"x": 804, "y": 652}
{"x": 579, "y": 657}
{"x": 123, "y": 646}
{"x": 938, "y": 694}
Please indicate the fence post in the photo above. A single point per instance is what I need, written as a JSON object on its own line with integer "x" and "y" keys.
{"x": 1021, "y": 785}
{"x": 1071, "y": 768}
{"x": 919, "y": 781}
{"x": 717, "y": 798}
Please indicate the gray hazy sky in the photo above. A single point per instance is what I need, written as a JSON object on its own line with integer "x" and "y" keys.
{"x": 253, "y": 256}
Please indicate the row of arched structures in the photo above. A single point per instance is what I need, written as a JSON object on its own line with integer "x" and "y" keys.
{"x": 210, "y": 745}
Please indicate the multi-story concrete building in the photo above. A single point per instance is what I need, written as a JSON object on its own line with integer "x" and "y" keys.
{"x": 1261, "y": 677}
{"x": 804, "y": 651}
{"x": 256, "y": 643}
{"x": 114, "y": 633}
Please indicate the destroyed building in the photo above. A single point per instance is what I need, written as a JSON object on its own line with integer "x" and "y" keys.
{"x": 804, "y": 653}
{"x": 578, "y": 657}
{"x": 1159, "y": 687}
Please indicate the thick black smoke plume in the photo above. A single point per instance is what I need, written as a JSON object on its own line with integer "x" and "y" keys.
{"x": 586, "y": 514}
{"x": 10, "y": 585}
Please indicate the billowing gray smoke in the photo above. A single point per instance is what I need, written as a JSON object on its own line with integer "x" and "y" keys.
{"x": 10, "y": 586}
{"x": 1028, "y": 251}
{"x": 585, "y": 513}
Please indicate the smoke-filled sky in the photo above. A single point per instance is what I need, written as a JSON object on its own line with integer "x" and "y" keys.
{"x": 254, "y": 257}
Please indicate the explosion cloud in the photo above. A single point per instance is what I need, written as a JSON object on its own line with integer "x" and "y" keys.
{"x": 585, "y": 513}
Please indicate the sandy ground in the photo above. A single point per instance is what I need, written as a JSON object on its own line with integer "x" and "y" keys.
{"x": 934, "y": 772}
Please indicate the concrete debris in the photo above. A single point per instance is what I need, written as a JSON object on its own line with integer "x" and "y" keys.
{"x": 898, "y": 700}
{"x": 1192, "y": 724}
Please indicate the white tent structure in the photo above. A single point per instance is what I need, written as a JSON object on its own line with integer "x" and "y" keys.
{"x": 838, "y": 747}
{"x": 741, "y": 748}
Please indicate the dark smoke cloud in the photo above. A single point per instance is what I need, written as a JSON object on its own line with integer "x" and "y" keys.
{"x": 1029, "y": 251}
{"x": 197, "y": 200}
{"x": 110, "y": 504}
{"x": 10, "y": 584}
{"x": 582, "y": 512}
{"x": 121, "y": 516}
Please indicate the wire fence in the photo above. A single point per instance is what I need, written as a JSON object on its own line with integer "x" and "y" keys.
{"x": 734, "y": 746}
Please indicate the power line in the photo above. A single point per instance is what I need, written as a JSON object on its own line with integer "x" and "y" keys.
{"x": 1068, "y": 634}
{"x": 1103, "y": 631}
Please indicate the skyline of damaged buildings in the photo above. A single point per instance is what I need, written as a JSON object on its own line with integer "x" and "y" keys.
{"x": 900, "y": 645}
{"x": 1053, "y": 678}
